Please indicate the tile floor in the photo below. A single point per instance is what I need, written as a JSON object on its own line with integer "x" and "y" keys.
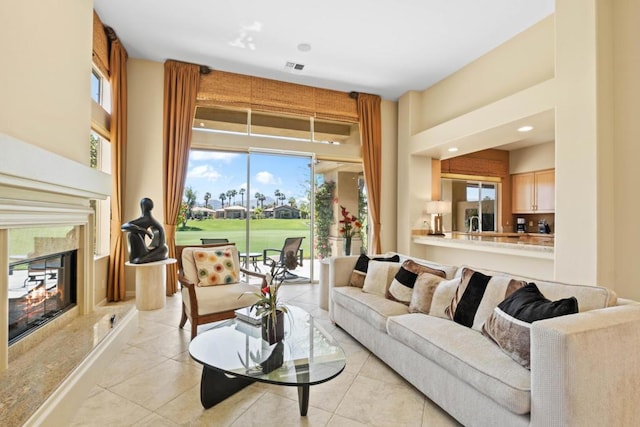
{"x": 155, "y": 383}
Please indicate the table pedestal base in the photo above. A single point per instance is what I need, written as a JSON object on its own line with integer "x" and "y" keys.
{"x": 216, "y": 387}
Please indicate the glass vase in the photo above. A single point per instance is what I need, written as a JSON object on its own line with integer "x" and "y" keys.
{"x": 273, "y": 333}
{"x": 346, "y": 246}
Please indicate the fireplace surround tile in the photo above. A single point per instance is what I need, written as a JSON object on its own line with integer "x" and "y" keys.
{"x": 33, "y": 376}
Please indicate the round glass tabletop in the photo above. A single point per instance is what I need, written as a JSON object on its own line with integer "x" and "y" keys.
{"x": 307, "y": 355}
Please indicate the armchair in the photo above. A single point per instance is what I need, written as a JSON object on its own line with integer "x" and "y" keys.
{"x": 291, "y": 245}
{"x": 205, "y": 304}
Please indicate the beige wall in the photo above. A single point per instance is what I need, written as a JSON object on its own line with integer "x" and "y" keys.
{"x": 145, "y": 147}
{"x": 626, "y": 152}
{"x": 534, "y": 158}
{"x": 519, "y": 63}
{"x": 45, "y": 96}
{"x": 596, "y": 97}
{"x": 388, "y": 212}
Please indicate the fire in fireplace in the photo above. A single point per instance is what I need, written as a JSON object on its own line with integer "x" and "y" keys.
{"x": 40, "y": 289}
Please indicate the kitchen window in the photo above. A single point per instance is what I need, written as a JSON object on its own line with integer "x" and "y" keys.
{"x": 474, "y": 205}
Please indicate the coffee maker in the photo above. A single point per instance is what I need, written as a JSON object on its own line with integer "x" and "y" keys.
{"x": 521, "y": 226}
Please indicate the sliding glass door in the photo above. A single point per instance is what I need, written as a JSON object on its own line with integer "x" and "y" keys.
{"x": 279, "y": 202}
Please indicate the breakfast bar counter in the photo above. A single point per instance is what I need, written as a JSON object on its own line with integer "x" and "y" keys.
{"x": 529, "y": 245}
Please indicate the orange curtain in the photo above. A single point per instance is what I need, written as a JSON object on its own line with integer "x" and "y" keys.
{"x": 180, "y": 91}
{"x": 371, "y": 131}
{"x": 116, "y": 287}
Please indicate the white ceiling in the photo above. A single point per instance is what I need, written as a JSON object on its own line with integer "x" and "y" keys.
{"x": 373, "y": 46}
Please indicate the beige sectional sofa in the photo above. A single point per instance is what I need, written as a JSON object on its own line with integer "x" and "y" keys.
{"x": 585, "y": 367}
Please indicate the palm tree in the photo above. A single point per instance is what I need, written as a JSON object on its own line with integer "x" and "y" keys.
{"x": 292, "y": 202}
{"x": 276, "y": 193}
{"x": 190, "y": 195}
{"x": 207, "y": 197}
{"x": 261, "y": 198}
{"x": 233, "y": 194}
{"x": 222, "y": 198}
{"x": 229, "y": 197}
{"x": 241, "y": 192}
{"x": 282, "y": 199}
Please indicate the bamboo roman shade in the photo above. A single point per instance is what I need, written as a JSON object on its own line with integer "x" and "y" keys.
{"x": 223, "y": 89}
{"x": 100, "y": 46}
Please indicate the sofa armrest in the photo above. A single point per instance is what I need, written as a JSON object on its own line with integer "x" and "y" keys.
{"x": 340, "y": 269}
{"x": 585, "y": 368}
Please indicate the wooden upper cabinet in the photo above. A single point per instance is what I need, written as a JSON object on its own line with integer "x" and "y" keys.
{"x": 533, "y": 192}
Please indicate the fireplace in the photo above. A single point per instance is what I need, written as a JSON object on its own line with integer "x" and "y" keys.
{"x": 40, "y": 289}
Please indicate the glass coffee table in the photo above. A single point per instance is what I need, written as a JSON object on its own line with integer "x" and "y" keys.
{"x": 234, "y": 355}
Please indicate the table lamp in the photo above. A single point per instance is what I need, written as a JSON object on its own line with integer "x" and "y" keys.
{"x": 438, "y": 207}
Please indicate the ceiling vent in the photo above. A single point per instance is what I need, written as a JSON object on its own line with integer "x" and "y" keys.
{"x": 293, "y": 67}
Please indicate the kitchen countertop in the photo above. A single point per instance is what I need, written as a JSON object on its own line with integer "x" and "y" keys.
{"x": 532, "y": 245}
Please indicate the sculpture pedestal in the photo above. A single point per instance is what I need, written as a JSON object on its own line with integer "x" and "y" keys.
{"x": 151, "y": 284}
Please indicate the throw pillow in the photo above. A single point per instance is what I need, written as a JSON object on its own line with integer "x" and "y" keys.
{"x": 401, "y": 287}
{"x": 423, "y": 290}
{"x": 360, "y": 270}
{"x": 477, "y": 295}
{"x": 509, "y": 325}
{"x": 442, "y": 297}
{"x": 379, "y": 277}
{"x": 215, "y": 267}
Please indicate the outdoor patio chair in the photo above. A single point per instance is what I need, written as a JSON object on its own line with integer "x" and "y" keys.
{"x": 291, "y": 245}
{"x": 209, "y": 240}
{"x": 203, "y": 299}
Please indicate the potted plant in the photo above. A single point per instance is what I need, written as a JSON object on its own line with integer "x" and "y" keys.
{"x": 269, "y": 306}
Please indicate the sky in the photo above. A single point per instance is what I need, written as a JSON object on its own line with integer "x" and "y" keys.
{"x": 217, "y": 172}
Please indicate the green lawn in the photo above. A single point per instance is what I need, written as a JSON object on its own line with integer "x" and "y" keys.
{"x": 265, "y": 233}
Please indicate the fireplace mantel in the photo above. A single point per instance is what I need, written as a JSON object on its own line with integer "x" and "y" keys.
{"x": 40, "y": 188}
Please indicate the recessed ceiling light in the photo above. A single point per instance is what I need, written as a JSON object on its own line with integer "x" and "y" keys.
{"x": 525, "y": 128}
{"x": 304, "y": 47}
{"x": 452, "y": 149}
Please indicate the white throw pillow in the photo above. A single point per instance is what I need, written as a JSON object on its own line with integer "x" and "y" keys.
{"x": 379, "y": 276}
{"x": 442, "y": 297}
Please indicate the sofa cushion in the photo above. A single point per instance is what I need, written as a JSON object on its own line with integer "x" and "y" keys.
{"x": 362, "y": 265}
{"x": 423, "y": 291}
{"x": 402, "y": 285}
{"x": 369, "y": 307}
{"x": 477, "y": 295}
{"x": 379, "y": 277}
{"x": 468, "y": 355}
{"x": 218, "y": 299}
{"x": 509, "y": 325}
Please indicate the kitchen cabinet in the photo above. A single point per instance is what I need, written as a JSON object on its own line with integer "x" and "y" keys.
{"x": 533, "y": 192}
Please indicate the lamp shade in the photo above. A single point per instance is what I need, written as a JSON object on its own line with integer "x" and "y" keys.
{"x": 438, "y": 207}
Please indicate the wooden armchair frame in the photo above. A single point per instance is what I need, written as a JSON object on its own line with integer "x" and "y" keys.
{"x": 200, "y": 319}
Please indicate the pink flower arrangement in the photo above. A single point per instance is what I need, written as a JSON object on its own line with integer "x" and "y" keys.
{"x": 349, "y": 223}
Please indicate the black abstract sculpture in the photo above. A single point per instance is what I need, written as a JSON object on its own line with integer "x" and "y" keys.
{"x": 139, "y": 229}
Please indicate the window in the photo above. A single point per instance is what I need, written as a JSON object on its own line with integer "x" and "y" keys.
{"x": 100, "y": 155}
{"x": 278, "y": 125}
{"x": 474, "y": 205}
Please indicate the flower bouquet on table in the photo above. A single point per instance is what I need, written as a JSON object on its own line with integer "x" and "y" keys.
{"x": 269, "y": 306}
{"x": 349, "y": 226}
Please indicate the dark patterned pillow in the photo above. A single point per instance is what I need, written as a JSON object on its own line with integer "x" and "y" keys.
{"x": 477, "y": 295}
{"x": 360, "y": 270}
{"x": 509, "y": 325}
{"x": 401, "y": 287}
